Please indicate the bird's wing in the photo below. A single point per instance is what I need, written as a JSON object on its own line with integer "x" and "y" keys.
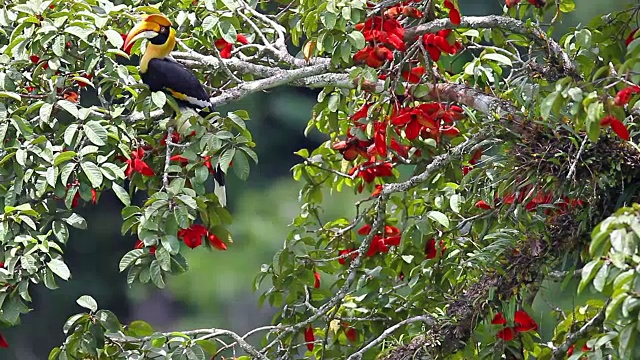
{"x": 180, "y": 82}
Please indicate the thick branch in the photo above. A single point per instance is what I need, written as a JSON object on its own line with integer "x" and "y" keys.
{"x": 505, "y": 23}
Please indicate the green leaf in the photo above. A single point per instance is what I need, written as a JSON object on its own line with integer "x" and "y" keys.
{"x": 589, "y": 272}
{"x": 69, "y": 134}
{"x": 76, "y": 221}
{"x": 241, "y": 165}
{"x": 45, "y": 112}
{"x": 567, "y": 6}
{"x": 59, "y": 268}
{"x": 356, "y": 38}
{"x": 159, "y": 98}
{"x": 129, "y": 258}
{"x": 11, "y": 95}
{"x": 547, "y": 104}
{"x": 156, "y": 274}
{"x": 63, "y": 157}
{"x": 95, "y": 132}
{"x": 114, "y": 38}
{"x": 209, "y": 23}
{"x": 93, "y": 173}
{"x": 499, "y": 58}
{"x": 108, "y": 320}
{"x": 69, "y": 107}
{"x": 139, "y": 328}
{"x": 79, "y": 32}
{"x": 88, "y": 302}
{"x": 121, "y": 193}
{"x": 439, "y": 217}
{"x": 454, "y": 203}
{"x": 58, "y": 45}
{"x": 225, "y": 159}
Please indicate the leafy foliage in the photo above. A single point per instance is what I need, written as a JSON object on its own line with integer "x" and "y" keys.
{"x": 481, "y": 145}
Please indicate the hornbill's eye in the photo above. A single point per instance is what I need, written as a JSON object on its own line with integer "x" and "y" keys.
{"x": 164, "y": 29}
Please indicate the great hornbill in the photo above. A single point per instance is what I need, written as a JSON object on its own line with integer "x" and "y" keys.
{"x": 162, "y": 73}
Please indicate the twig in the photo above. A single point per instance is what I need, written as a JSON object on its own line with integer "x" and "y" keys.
{"x": 423, "y": 318}
{"x": 574, "y": 163}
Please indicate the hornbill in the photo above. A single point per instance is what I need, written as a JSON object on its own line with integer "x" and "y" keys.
{"x": 162, "y": 73}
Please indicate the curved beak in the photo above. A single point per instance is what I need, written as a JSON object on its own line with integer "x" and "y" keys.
{"x": 143, "y": 30}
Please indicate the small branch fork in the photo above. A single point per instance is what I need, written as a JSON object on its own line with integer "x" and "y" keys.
{"x": 561, "y": 351}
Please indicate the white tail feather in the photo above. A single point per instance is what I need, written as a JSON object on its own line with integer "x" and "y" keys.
{"x": 221, "y": 193}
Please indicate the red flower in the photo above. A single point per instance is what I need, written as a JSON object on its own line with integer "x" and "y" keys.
{"x": 483, "y": 205}
{"x": 431, "y": 250}
{"x": 316, "y": 275}
{"x": 524, "y": 322}
{"x": 450, "y": 131}
{"x": 623, "y": 96}
{"x": 499, "y": 319}
{"x": 216, "y": 242}
{"x": 413, "y": 75}
{"x": 506, "y": 334}
{"x": 192, "y": 237}
{"x": 309, "y": 338}
{"x": 437, "y": 43}
{"x": 475, "y": 157}
{"x": 94, "y": 196}
{"x": 512, "y": 3}
{"x": 350, "y": 332}
{"x": 34, "y": 59}
{"x": 365, "y": 229}
{"x": 140, "y": 245}
{"x": 454, "y": 14}
{"x": 377, "y": 191}
{"x": 136, "y": 164}
{"x": 373, "y": 56}
{"x": 370, "y": 170}
{"x": 362, "y": 113}
{"x": 87, "y": 76}
{"x": 617, "y": 126}
{"x": 379, "y": 29}
{"x": 175, "y": 138}
{"x": 226, "y": 48}
{"x": 570, "y": 351}
{"x": 411, "y": 12}
{"x": 353, "y": 253}
{"x": 3, "y": 342}
{"x": 179, "y": 158}
{"x": 537, "y": 3}
{"x": 585, "y": 348}
{"x": 631, "y": 37}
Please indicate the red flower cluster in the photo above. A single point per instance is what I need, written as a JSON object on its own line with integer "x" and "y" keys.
{"x": 414, "y": 75}
{"x": 381, "y": 242}
{"x": 135, "y": 164}
{"x": 624, "y": 96}
{"x": 540, "y": 198}
{"x": 431, "y": 250}
{"x": 523, "y": 323}
{"x": 192, "y": 237}
{"x": 36, "y": 59}
{"x": 616, "y": 125}
{"x": 371, "y": 169}
{"x": 536, "y": 3}
{"x": 382, "y": 34}
{"x": 76, "y": 198}
{"x": 426, "y": 119}
{"x": 438, "y": 43}
{"x": 225, "y": 48}
{"x": 402, "y": 9}
{"x": 140, "y": 245}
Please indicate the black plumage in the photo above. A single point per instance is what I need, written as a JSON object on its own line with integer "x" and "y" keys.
{"x": 172, "y": 77}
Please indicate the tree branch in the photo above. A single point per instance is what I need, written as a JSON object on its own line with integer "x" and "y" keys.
{"x": 423, "y": 318}
{"x": 561, "y": 351}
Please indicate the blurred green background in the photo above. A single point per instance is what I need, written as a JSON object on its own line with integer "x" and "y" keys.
{"x": 217, "y": 292}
